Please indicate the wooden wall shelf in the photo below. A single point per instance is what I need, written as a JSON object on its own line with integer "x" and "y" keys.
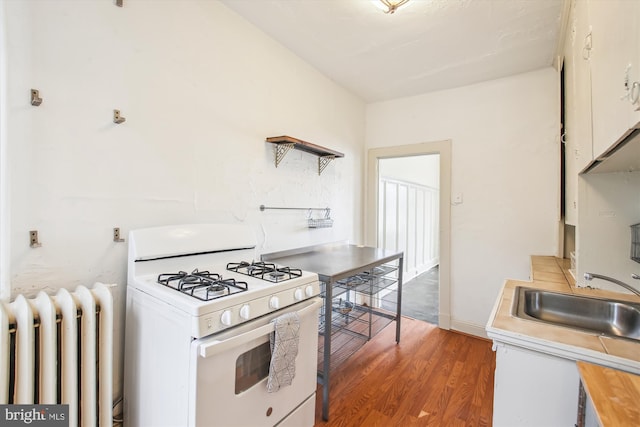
{"x": 282, "y": 145}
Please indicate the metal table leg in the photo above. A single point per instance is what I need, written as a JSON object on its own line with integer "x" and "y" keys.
{"x": 399, "y": 308}
{"x": 326, "y": 363}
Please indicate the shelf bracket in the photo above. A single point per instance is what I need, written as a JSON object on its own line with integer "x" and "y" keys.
{"x": 33, "y": 239}
{"x": 117, "y": 118}
{"x": 116, "y": 235}
{"x": 323, "y": 161}
{"x": 35, "y": 97}
{"x": 281, "y": 150}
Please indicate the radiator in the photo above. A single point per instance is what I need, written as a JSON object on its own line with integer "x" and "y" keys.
{"x": 59, "y": 350}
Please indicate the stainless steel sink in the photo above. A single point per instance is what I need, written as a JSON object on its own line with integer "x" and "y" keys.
{"x": 598, "y": 315}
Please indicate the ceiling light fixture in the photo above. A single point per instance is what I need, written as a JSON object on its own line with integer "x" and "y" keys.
{"x": 392, "y": 5}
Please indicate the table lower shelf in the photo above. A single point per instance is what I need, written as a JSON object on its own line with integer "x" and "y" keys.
{"x": 350, "y": 331}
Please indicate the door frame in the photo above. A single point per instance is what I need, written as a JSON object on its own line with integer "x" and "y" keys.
{"x": 5, "y": 230}
{"x": 443, "y": 148}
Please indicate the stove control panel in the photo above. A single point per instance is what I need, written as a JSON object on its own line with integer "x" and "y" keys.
{"x": 217, "y": 321}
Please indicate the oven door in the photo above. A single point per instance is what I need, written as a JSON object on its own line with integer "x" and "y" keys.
{"x": 230, "y": 370}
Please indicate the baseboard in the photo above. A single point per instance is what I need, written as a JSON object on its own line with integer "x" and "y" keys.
{"x": 469, "y": 328}
{"x": 415, "y": 272}
{"x": 444, "y": 321}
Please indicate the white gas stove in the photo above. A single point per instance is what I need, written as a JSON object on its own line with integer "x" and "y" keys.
{"x": 194, "y": 297}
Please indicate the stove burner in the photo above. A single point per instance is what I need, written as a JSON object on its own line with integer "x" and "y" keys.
{"x": 264, "y": 271}
{"x": 217, "y": 290}
{"x": 202, "y": 284}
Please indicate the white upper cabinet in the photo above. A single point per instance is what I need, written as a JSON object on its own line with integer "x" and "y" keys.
{"x": 582, "y": 51}
{"x": 615, "y": 67}
{"x": 577, "y": 101}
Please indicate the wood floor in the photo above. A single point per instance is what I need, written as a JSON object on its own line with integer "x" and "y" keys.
{"x": 432, "y": 378}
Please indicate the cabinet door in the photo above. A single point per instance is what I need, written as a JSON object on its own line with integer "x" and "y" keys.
{"x": 583, "y": 85}
{"x": 590, "y": 416}
{"x": 533, "y": 389}
{"x": 614, "y": 60}
{"x": 570, "y": 126}
{"x": 577, "y": 116}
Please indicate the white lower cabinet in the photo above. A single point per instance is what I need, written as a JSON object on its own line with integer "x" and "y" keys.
{"x": 534, "y": 389}
{"x": 590, "y": 417}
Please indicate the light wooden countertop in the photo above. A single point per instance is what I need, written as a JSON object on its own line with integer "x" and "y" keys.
{"x": 552, "y": 274}
{"x": 615, "y": 394}
{"x": 609, "y": 367}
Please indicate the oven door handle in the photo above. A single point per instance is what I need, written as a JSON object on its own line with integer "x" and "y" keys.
{"x": 214, "y": 347}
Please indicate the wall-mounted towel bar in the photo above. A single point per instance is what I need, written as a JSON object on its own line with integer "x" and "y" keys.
{"x": 263, "y": 208}
{"x": 323, "y": 222}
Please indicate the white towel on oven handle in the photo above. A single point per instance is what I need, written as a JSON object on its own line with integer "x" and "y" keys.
{"x": 284, "y": 349}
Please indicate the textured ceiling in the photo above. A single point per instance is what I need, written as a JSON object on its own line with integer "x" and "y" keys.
{"x": 427, "y": 45}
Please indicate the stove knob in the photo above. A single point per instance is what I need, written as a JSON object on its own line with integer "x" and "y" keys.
{"x": 225, "y": 319}
{"x": 308, "y": 291}
{"x": 245, "y": 312}
{"x": 297, "y": 294}
{"x": 274, "y": 303}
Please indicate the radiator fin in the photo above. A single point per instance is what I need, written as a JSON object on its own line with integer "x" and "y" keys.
{"x": 88, "y": 380}
{"x": 5, "y": 354}
{"x": 25, "y": 351}
{"x": 48, "y": 351}
{"x": 59, "y": 349}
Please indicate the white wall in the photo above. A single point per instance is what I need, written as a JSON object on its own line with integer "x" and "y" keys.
{"x": 5, "y": 260}
{"x": 609, "y": 204}
{"x": 505, "y": 164}
{"x": 200, "y": 89}
{"x": 422, "y": 170}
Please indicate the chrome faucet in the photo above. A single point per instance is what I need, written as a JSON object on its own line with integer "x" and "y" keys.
{"x": 591, "y": 276}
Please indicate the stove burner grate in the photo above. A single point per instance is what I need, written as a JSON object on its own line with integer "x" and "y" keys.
{"x": 264, "y": 271}
{"x": 203, "y": 285}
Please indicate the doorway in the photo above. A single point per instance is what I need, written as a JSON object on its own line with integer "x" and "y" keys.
{"x": 408, "y": 217}
{"x": 390, "y": 227}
